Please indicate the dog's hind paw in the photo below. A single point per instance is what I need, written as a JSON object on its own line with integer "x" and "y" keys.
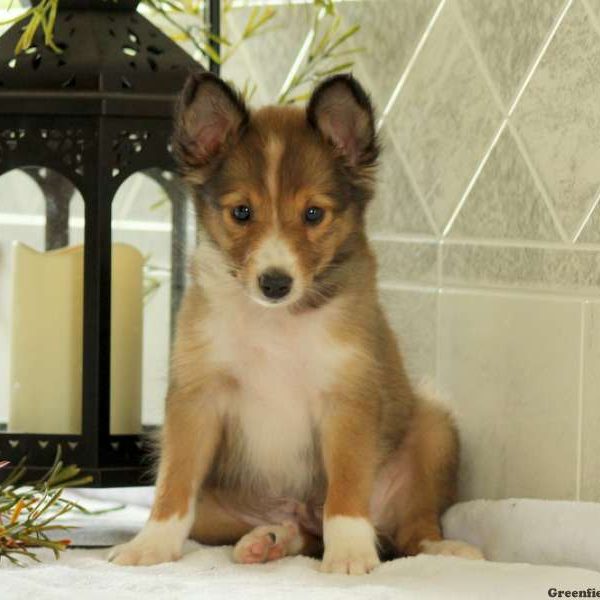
{"x": 451, "y": 548}
{"x": 268, "y": 542}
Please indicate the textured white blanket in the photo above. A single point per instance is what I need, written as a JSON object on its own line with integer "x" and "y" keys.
{"x": 208, "y": 573}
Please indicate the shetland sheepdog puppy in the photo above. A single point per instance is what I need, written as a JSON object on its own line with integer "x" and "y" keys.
{"x": 291, "y": 426}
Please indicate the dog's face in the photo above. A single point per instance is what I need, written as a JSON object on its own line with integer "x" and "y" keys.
{"x": 281, "y": 191}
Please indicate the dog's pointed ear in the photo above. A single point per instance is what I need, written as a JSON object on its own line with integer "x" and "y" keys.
{"x": 209, "y": 117}
{"x": 341, "y": 111}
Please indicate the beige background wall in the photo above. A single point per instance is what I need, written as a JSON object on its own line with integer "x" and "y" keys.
{"x": 488, "y": 226}
{"x": 487, "y": 222}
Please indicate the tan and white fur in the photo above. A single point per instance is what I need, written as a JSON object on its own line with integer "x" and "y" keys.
{"x": 291, "y": 426}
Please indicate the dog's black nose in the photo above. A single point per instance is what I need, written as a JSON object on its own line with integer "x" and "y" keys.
{"x": 275, "y": 284}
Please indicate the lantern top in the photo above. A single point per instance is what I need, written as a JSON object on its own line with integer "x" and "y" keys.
{"x": 112, "y": 61}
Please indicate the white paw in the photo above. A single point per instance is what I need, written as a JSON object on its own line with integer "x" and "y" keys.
{"x": 143, "y": 552}
{"x": 157, "y": 542}
{"x": 269, "y": 542}
{"x": 451, "y": 548}
{"x": 349, "y": 546}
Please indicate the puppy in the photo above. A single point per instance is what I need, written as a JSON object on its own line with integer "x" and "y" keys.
{"x": 291, "y": 427}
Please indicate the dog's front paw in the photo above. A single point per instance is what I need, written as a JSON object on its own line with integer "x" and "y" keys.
{"x": 145, "y": 549}
{"x": 349, "y": 546}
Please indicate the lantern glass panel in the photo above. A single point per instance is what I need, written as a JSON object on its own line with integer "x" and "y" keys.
{"x": 99, "y": 112}
{"x": 151, "y": 213}
{"x": 41, "y": 278}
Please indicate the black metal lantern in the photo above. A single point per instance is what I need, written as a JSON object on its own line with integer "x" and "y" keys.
{"x": 95, "y": 113}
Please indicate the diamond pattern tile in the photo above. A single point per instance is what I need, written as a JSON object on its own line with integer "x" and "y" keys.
{"x": 505, "y": 202}
{"x": 396, "y": 208}
{"x": 265, "y": 59}
{"x": 591, "y": 231}
{"x": 559, "y": 117}
{"x": 397, "y": 25}
{"x": 444, "y": 118}
{"x": 508, "y": 34}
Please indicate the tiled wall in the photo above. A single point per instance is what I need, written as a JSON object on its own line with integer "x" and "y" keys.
{"x": 488, "y": 225}
{"x": 487, "y": 221}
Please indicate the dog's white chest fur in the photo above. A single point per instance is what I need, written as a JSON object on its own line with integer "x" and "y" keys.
{"x": 284, "y": 364}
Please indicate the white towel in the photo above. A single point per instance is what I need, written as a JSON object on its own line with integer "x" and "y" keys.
{"x": 543, "y": 532}
{"x": 209, "y": 573}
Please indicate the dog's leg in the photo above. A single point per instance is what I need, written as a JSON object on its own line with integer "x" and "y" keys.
{"x": 190, "y": 436}
{"x": 349, "y": 442}
{"x": 217, "y": 526}
{"x": 214, "y": 525}
{"x": 428, "y": 461}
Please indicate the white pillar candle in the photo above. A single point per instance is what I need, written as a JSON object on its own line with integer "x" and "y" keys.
{"x": 47, "y": 340}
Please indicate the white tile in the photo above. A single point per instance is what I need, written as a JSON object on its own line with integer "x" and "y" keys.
{"x": 590, "y": 463}
{"x": 414, "y": 262}
{"x": 413, "y": 317}
{"x": 511, "y": 368}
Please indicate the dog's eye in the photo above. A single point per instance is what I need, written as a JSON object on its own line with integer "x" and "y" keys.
{"x": 241, "y": 213}
{"x": 313, "y": 215}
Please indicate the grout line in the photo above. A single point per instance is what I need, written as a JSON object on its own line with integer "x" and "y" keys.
{"x": 415, "y": 186}
{"x": 440, "y": 270}
{"x": 438, "y": 315}
{"x": 503, "y": 125}
{"x": 587, "y": 217}
{"x": 484, "y": 71}
{"x": 474, "y": 179}
{"x": 501, "y": 106}
{"x": 403, "y": 238}
{"x": 530, "y": 244}
{"x": 482, "y": 290}
{"x": 410, "y": 64}
{"x": 483, "y": 242}
{"x": 540, "y": 55}
{"x": 478, "y": 58}
{"x": 527, "y": 293}
{"x": 580, "y": 392}
{"x": 517, "y": 137}
{"x": 407, "y": 286}
{"x": 541, "y": 186}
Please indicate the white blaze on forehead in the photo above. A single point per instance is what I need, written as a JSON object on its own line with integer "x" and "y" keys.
{"x": 273, "y": 153}
{"x": 275, "y": 253}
